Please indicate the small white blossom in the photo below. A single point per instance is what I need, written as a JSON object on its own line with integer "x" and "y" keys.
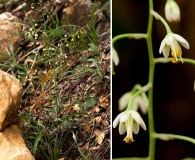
{"x": 115, "y": 57}
{"x": 124, "y": 100}
{"x": 171, "y": 42}
{"x": 139, "y": 102}
{"x": 172, "y": 11}
{"x": 194, "y": 86}
{"x": 129, "y": 122}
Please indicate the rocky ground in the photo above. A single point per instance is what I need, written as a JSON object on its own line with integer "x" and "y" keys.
{"x": 60, "y": 52}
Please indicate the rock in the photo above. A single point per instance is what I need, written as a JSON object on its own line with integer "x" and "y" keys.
{"x": 11, "y": 93}
{"x": 103, "y": 29}
{"x": 12, "y": 145}
{"x": 79, "y": 13}
{"x": 9, "y": 31}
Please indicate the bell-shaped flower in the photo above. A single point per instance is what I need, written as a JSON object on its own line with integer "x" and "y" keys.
{"x": 115, "y": 57}
{"x": 194, "y": 86}
{"x": 124, "y": 100}
{"x": 172, "y": 11}
{"x": 140, "y": 101}
{"x": 129, "y": 121}
{"x": 171, "y": 42}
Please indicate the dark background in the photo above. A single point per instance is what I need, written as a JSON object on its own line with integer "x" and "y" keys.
{"x": 174, "y": 97}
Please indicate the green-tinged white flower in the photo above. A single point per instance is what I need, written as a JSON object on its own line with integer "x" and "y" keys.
{"x": 129, "y": 121}
{"x": 171, "y": 42}
{"x": 172, "y": 11}
{"x": 115, "y": 57}
{"x": 194, "y": 86}
{"x": 139, "y": 102}
{"x": 124, "y": 100}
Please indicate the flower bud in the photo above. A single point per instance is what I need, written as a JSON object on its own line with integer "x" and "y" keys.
{"x": 172, "y": 11}
{"x": 115, "y": 57}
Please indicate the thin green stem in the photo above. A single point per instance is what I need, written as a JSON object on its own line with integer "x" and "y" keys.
{"x": 140, "y": 91}
{"x": 128, "y": 35}
{"x": 166, "y": 137}
{"x": 167, "y": 60}
{"x": 188, "y": 60}
{"x": 157, "y": 16}
{"x": 162, "y": 60}
{"x": 152, "y": 140}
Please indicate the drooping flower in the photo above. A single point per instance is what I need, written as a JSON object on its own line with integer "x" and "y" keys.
{"x": 124, "y": 100}
{"x": 171, "y": 42}
{"x": 115, "y": 57}
{"x": 139, "y": 102}
{"x": 142, "y": 103}
{"x": 172, "y": 11}
{"x": 129, "y": 121}
{"x": 194, "y": 86}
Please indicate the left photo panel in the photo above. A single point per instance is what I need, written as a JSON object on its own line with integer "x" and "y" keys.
{"x": 55, "y": 67}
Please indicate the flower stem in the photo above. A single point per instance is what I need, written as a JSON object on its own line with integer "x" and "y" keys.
{"x": 128, "y": 35}
{"x": 157, "y": 16}
{"x": 152, "y": 140}
{"x": 164, "y": 136}
{"x": 167, "y": 60}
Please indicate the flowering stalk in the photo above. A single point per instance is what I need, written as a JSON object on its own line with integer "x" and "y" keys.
{"x": 129, "y": 116}
{"x": 167, "y": 60}
{"x": 166, "y": 137}
{"x": 152, "y": 140}
{"x": 128, "y": 35}
{"x": 158, "y": 17}
{"x": 129, "y": 120}
{"x": 171, "y": 42}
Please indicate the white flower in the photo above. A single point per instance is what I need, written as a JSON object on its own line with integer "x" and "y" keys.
{"x": 129, "y": 122}
{"x": 172, "y": 11}
{"x": 139, "y": 102}
{"x": 171, "y": 42}
{"x": 115, "y": 57}
{"x": 124, "y": 100}
{"x": 194, "y": 86}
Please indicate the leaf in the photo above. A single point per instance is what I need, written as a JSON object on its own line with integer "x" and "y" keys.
{"x": 99, "y": 136}
{"x": 89, "y": 103}
{"x": 75, "y": 139}
{"x": 104, "y": 102}
{"x": 38, "y": 138}
{"x": 86, "y": 127}
{"x": 47, "y": 76}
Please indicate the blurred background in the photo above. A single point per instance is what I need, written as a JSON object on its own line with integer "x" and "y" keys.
{"x": 174, "y": 97}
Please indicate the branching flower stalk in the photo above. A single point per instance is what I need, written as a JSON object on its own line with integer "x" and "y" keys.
{"x": 129, "y": 120}
{"x": 152, "y": 140}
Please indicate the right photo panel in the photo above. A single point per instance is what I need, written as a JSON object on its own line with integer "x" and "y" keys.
{"x": 153, "y": 80}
